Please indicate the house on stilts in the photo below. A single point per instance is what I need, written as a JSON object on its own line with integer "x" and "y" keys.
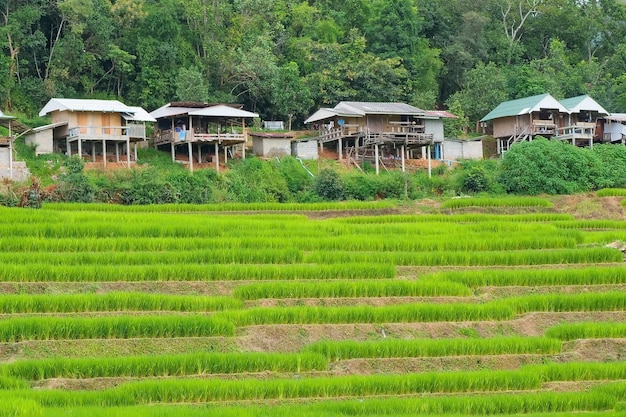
{"x": 577, "y": 120}
{"x": 204, "y": 131}
{"x": 105, "y": 130}
{"x": 379, "y": 132}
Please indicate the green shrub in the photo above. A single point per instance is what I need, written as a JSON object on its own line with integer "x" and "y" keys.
{"x": 329, "y": 185}
{"x": 550, "y": 167}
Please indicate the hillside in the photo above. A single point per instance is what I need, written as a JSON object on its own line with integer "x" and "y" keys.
{"x": 484, "y": 306}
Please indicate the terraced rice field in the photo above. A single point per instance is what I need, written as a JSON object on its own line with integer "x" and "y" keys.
{"x": 327, "y": 310}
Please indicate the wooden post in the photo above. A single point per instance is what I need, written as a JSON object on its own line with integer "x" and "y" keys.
{"x": 429, "y": 166}
{"x": 10, "y": 154}
{"x": 376, "y": 157}
{"x": 172, "y": 146}
{"x": 217, "y": 158}
{"x": 339, "y": 149}
{"x": 128, "y": 151}
{"x": 402, "y": 156}
{"x": 190, "y": 152}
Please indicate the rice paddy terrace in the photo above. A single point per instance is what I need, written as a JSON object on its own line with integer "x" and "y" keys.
{"x": 354, "y": 309}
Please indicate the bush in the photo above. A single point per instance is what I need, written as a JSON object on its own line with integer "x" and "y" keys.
{"x": 329, "y": 185}
{"x": 74, "y": 186}
{"x": 253, "y": 181}
{"x": 360, "y": 186}
{"x": 550, "y": 167}
{"x": 613, "y": 158}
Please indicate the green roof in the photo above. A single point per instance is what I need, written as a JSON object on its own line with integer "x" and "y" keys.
{"x": 582, "y": 103}
{"x": 524, "y": 106}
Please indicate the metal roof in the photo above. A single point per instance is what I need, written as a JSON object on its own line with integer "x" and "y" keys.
{"x": 525, "y": 105}
{"x": 138, "y": 115}
{"x": 583, "y": 103}
{"x": 75, "y": 104}
{"x": 326, "y": 113}
{"x": 5, "y": 116}
{"x": 616, "y": 117}
{"x": 48, "y": 127}
{"x": 440, "y": 114}
{"x": 365, "y": 107}
{"x": 222, "y": 111}
{"x": 361, "y": 108}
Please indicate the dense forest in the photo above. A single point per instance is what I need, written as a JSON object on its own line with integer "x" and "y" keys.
{"x": 285, "y": 58}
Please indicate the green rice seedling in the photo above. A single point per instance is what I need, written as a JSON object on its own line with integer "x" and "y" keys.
{"x": 611, "y": 192}
{"x": 513, "y": 405}
{"x": 353, "y": 288}
{"x": 588, "y": 330}
{"x": 458, "y": 218}
{"x": 607, "y": 301}
{"x": 226, "y": 207}
{"x": 402, "y": 313}
{"x": 17, "y": 407}
{"x": 603, "y": 237}
{"x": 541, "y": 404}
{"x": 194, "y": 390}
{"x": 602, "y": 224}
{"x": 221, "y": 256}
{"x": 116, "y": 301}
{"x": 579, "y": 371}
{"x": 338, "y": 350}
{"x": 8, "y": 382}
{"x": 460, "y": 258}
{"x": 533, "y": 277}
{"x": 191, "y": 272}
{"x": 116, "y": 327}
{"x": 163, "y": 365}
{"x": 496, "y": 202}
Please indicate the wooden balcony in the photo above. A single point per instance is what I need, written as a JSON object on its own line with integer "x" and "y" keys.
{"x": 114, "y": 133}
{"x": 187, "y": 136}
{"x": 579, "y": 131}
{"x": 543, "y": 128}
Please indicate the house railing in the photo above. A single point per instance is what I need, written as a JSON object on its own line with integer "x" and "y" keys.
{"x": 98, "y": 132}
{"x": 169, "y": 136}
{"x": 577, "y": 131}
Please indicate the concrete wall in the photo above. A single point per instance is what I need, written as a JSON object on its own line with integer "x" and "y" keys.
{"x": 5, "y": 156}
{"x": 270, "y": 147}
{"x": 461, "y": 149}
{"x": 304, "y": 149}
{"x": 42, "y": 140}
{"x": 435, "y": 127}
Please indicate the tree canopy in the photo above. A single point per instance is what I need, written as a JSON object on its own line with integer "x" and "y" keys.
{"x": 285, "y": 58}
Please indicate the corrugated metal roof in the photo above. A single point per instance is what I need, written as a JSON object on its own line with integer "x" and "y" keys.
{"x": 616, "y": 117}
{"x": 361, "y": 108}
{"x": 138, "y": 115}
{"x": 524, "y": 106}
{"x": 48, "y": 127}
{"x": 5, "y": 116}
{"x": 365, "y": 107}
{"x": 583, "y": 103}
{"x": 222, "y": 111}
{"x": 440, "y": 114}
{"x": 75, "y": 104}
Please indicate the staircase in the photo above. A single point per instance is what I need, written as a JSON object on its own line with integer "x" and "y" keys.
{"x": 505, "y": 144}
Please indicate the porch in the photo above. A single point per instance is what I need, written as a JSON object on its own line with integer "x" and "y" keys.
{"x": 107, "y": 141}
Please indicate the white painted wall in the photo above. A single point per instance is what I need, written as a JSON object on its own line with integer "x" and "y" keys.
{"x": 462, "y": 149}
{"x": 304, "y": 149}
